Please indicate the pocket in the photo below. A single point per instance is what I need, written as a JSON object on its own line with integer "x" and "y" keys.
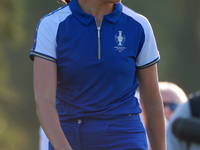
{"x": 131, "y": 134}
{"x": 127, "y": 127}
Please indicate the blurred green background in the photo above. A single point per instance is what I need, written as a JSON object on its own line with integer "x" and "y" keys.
{"x": 176, "y": 27}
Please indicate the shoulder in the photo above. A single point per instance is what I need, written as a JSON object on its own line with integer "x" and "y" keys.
{"x": 142, "y": 20}
{"x": 56, "y": 17}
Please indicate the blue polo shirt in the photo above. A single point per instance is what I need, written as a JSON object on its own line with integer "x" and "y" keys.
{"x": 95, "y": 65}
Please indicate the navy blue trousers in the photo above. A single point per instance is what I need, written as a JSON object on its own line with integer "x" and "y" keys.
{"x": 124, "y": 133}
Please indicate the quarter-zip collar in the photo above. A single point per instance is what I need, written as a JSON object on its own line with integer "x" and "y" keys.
{"x": 87, "y": 18}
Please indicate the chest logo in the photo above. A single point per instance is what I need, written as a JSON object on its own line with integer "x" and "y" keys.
{"x": 120, "y": 39}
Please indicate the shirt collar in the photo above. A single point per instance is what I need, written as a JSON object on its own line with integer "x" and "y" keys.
{"x": 114, "y": 16}
{"x": 86, "y": 18}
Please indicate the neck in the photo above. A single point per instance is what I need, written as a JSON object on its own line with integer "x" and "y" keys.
{"x": 96, "y": 8}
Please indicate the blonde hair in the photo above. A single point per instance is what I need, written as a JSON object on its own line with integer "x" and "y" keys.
{"x": 172, "y": 87}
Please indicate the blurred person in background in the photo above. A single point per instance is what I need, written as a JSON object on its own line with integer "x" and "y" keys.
{"x": 172, "y": 96}
{"x": 183, "y": 132}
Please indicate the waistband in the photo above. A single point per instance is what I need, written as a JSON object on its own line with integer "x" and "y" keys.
{"x": 87, "y": 120}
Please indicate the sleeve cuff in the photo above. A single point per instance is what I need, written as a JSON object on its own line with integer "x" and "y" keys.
{"x": 32, "y": 54}
{"x": 149, "y": 64}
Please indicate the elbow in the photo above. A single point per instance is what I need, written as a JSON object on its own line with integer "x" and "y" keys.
{"x": 41, "y": 102}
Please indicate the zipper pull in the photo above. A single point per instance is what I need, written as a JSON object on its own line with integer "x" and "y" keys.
{"x": 99, "y": 43}
{"x": 98, "y": 28}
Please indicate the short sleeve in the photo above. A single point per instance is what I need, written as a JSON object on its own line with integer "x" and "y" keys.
{"x": 149, "y": 54}
{"x": 45, "y": 41}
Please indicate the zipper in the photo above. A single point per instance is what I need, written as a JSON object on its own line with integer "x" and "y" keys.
{"x": 99, "y": 39}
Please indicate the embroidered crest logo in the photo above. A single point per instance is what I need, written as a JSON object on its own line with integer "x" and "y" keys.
{"x": 120, "y": 39}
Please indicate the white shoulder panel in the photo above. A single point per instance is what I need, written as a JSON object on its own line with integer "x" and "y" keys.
{"x": 46, "y": 32}
{"x": 149, "y": 54}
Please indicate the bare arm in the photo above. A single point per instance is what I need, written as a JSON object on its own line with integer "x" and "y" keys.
{"x": 152, "y": 108}
{"x": 45, "y": 80}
